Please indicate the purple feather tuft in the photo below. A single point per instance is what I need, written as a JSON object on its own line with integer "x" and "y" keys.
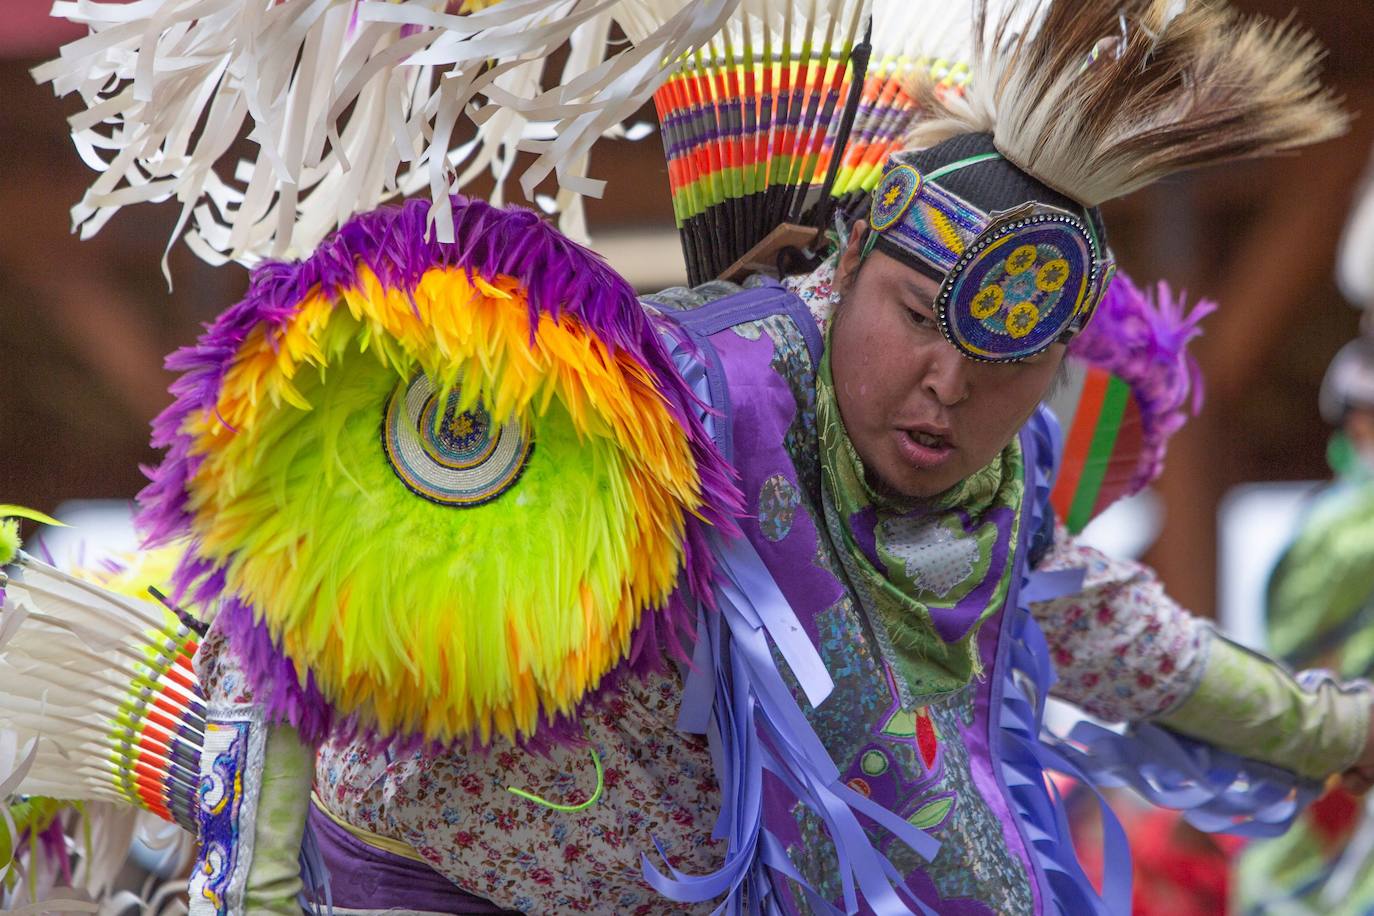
{"x": 1143, "y": 339}
{"x": 559, "y": 277}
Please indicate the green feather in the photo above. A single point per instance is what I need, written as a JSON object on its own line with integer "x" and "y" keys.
{"x": 9, "y": 541}
{"x": 409, "y": 589}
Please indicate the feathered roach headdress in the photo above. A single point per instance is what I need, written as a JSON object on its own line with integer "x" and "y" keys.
{"x": 1099, "y": 98}
{"x": 1071, "y": 103}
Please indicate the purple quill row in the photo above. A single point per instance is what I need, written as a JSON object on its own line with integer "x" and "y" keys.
{"x": 559, "y": 277}
{"x": 1143, "y": 339}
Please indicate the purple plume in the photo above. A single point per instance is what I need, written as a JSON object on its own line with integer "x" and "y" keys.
{"x": 1144, "y": 340}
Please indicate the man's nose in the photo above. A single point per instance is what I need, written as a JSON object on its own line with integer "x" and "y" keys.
{"x": 948, "y": 377}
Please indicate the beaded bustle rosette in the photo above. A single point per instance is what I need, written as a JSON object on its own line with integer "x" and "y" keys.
{"x": 439, "y": 491}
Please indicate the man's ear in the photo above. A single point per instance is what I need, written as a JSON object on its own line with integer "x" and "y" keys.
{"x": 852, "y": 256}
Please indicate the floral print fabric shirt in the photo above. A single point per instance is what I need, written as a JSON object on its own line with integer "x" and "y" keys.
{"x": 1124, "y": 650}
{"x": 457, "y": 812}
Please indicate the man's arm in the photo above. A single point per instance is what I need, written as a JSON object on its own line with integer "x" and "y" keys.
{"x": 1125, "y": 652}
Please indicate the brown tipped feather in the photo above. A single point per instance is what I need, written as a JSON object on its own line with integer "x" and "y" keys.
{"x": 1098, "y": 98}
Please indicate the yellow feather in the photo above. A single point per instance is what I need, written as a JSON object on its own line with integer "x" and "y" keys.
{"x": 465, "y": 670}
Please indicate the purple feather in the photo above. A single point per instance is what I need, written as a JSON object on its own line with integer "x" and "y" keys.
{"x": 559, "y": 277}
{"x": 1144, "y": 339}
{"x": 53, "y": 842}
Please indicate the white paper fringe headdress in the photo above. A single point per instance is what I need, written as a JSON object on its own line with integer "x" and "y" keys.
{"x": 349, "y": 102}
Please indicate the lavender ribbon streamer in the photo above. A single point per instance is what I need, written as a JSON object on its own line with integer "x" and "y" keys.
{"x": 757, "y": 725}
{"x": 1218, "y": 791}
{"x": 315, "y": 884}
{"x": 735, "y": 693}
{"x": 1023, "y": 753}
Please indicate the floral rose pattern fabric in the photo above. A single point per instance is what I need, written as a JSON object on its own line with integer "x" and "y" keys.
{"x": 456, "y": 810}
{"x": 1122, "y": 648}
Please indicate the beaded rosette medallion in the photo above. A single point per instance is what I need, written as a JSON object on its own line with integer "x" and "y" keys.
{"x": 1014, "y": 282}
{"x": 1031, "y": 279}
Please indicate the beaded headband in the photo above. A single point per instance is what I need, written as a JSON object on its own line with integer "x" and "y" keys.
{"x": 1013, "y": 282}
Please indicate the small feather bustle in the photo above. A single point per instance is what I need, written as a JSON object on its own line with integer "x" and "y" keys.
{"x": 1142, "y": 336}
{"x": 1099, "y": 99}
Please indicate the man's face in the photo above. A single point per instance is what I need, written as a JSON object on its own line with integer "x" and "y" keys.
{"x": 921, "y": 416}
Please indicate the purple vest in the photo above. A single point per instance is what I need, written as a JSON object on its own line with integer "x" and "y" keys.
{"x": 961, "y": 767}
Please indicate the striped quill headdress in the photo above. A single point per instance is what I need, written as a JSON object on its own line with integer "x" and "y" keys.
{"x": 102, "y": 683}
{"x": 789, "y": 107}
{"x": 100, "y": 729}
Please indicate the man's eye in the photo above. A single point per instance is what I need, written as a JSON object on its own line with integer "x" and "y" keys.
{"x": 920, "y": 319}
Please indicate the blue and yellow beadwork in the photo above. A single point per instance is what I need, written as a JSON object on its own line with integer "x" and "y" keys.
{"x": 1013, "y": 283}
{"x": 1029, "y": 280}
{"x": 227, "y": 794}
{"x": 933, "y": 225}
{"x": 457, "y": 459}
{"x": 893, "y": 197}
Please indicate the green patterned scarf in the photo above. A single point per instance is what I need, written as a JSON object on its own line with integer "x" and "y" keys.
{"x": 927, "y": 572}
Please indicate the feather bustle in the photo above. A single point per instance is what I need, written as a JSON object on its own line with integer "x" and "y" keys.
{"x": 384, "y": 264}
{"x": 103, "y": 707}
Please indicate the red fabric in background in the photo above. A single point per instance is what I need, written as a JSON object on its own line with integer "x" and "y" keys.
{"x": 1177, "y": 870}
{"x": 1333, "y": 817}
{"x": 27, "y": 32}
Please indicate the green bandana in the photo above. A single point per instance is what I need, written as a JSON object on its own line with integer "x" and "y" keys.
{"x": 927, "y": 573}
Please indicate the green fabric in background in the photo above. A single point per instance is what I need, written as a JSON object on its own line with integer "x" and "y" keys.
{"x": 1320, "y": 600}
